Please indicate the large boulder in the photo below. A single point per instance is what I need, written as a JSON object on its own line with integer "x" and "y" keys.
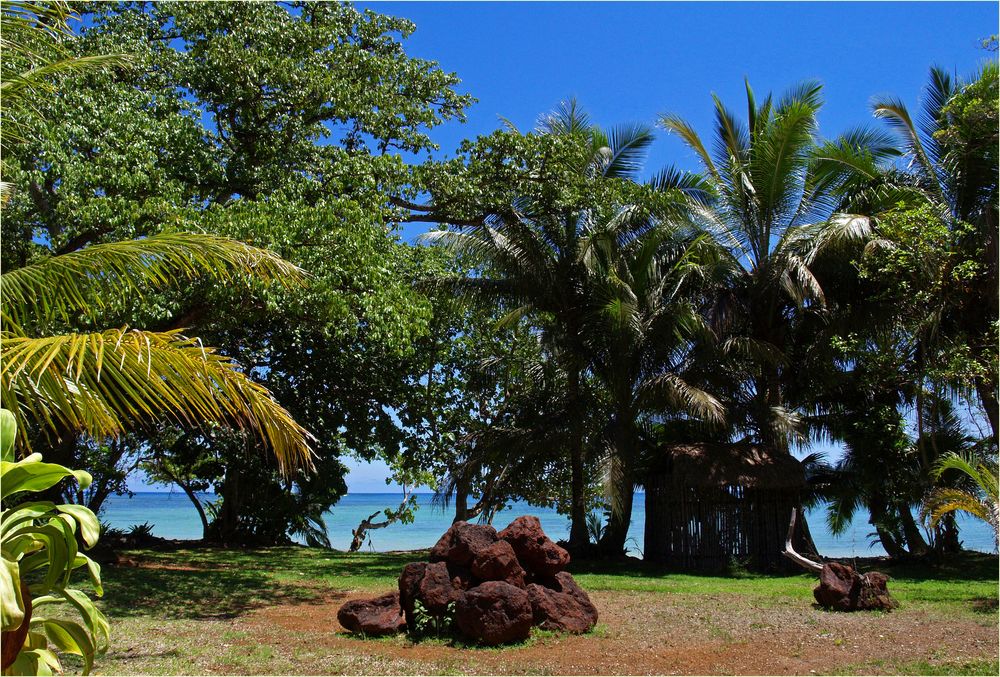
{"x": 536, "y": 552}
{"x": 494, "y": 613}
{"x": 843, "y": 588}
{"x": 462, "y": 542}
{"x": 560, "y": 611}
{"x": 373, "y": 617}
{"x": 409, "y": 586}
{"x": 564, "y": 583}
{"x": 438, "y": 588}
{"x": 498, "y": 563}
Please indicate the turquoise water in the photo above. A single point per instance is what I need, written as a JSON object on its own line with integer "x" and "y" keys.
{"x": 173, "y": 516}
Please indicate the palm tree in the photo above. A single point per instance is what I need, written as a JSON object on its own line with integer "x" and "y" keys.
{"x": 532, "y": 254}
{"x": 104, "y": 382}
{"x": 763, "y": 197}
{"x": 978, "y": 497}
{"x": 645, "y": 316}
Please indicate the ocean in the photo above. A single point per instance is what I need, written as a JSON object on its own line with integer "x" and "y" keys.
{"x": 173, "y": 516}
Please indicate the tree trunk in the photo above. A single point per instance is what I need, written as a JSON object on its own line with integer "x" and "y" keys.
{"x": 578, "y": 537}
{"x": 802, "y": 536}
{"x": 370, "y": 524}
{"x": 988, "y": 396}
{"x": 946, "y": 539}
{"x": 224, "y": 527}
{"x": 616, "y": 532}
{"x": 461, "y": 500}
{"x": 623, "y": 488}
{"x": 876, "y": 511}
{"x": 915, "y": 543}
{"x": 193, "y": 497}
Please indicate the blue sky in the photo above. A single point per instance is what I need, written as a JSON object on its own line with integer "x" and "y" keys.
{"x": 631, "y": 61}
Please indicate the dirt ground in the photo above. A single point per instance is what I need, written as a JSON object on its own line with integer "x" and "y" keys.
{"x": 651, "y": 633}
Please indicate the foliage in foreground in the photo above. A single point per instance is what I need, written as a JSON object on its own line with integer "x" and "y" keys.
{"x": 38, "y": 542}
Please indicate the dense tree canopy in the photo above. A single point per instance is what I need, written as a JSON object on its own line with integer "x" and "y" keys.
{"x": 572, "y": 311}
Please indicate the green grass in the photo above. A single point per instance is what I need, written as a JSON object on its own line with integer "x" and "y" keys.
{"x": 963, "y": 583}
{"x": 183, "y": 611}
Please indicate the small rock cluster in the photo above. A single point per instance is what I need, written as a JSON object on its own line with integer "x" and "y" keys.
{"x": 501, "y": 584}
{"x": 842, "y": 588}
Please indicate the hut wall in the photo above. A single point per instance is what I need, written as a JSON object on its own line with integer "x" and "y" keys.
{"x": 709, "y": 528}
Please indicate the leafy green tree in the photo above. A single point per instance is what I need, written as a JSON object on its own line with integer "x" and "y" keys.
{"x": 35, "y": 56}
{"x": 482, "y": 380}
{"x": 932, "y": 227}
{"x": 279, "y": 124}
{"x": 919, "y": 296}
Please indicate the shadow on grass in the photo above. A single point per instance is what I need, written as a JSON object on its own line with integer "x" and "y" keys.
{"x": 211, "y": 582}
{"x": 962, "y": 566}
{"x": 169, "y": 593}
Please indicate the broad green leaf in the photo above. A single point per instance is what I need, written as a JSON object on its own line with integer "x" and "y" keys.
{"x": 70, "y": 637}
{"x": 35, "y": 662}
{"x": 57, "y": 551}
{"x": 37, "y": 476}
{"x": 90, "y": 527}
{"x": 10, "y": 596}
{"x": 94, "y": 571}
{"x": 94, "y": 620}
{"x": 22, "y": 513}
{"x": 8, "y": 433}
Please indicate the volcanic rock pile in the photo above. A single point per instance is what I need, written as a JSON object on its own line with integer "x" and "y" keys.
{"x": 498, "y": 585}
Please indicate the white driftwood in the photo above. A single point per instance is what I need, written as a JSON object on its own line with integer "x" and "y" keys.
{"x": 790, "y": 553}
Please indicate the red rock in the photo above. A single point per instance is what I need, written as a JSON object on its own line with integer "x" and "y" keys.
{"x": 498, "y": 563}
{"x": 462, "y": 577}
{"x": 375, "y": 617}
{"x": 843, "y": 588}
{"x": 409, "y": 586}
{"x": 536, "y": 552}
{"x": 552, "y": 610}
{"x": 494, "y": 613}
{"x": 436, "y": 589}
{"x": 563, "y": 582}
{"x": 462, "y": 542}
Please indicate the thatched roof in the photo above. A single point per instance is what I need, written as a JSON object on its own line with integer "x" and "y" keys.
{"x": 718, "y": 465}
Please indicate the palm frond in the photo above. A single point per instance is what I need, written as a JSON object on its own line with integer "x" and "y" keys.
{"x": 684, "y": 397}
{"x": 82, "y": 281}
{"x": 942, "y": 502}
{"x": 852, "y": 161}
{"x": 936, "y": 95}
{"x": 692, "y": 185}
{"x": 676, "y": 124}
{"x": 629, "y": 144}
{"x": 38, "y": 80}
{"x": 732, "y": 140}
{"x": 894, "y": 111}
{"x": 568, "y": 118}
{"x": 107, "y": 382}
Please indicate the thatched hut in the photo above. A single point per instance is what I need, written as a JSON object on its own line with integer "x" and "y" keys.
{"x": 709, "y": 505}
